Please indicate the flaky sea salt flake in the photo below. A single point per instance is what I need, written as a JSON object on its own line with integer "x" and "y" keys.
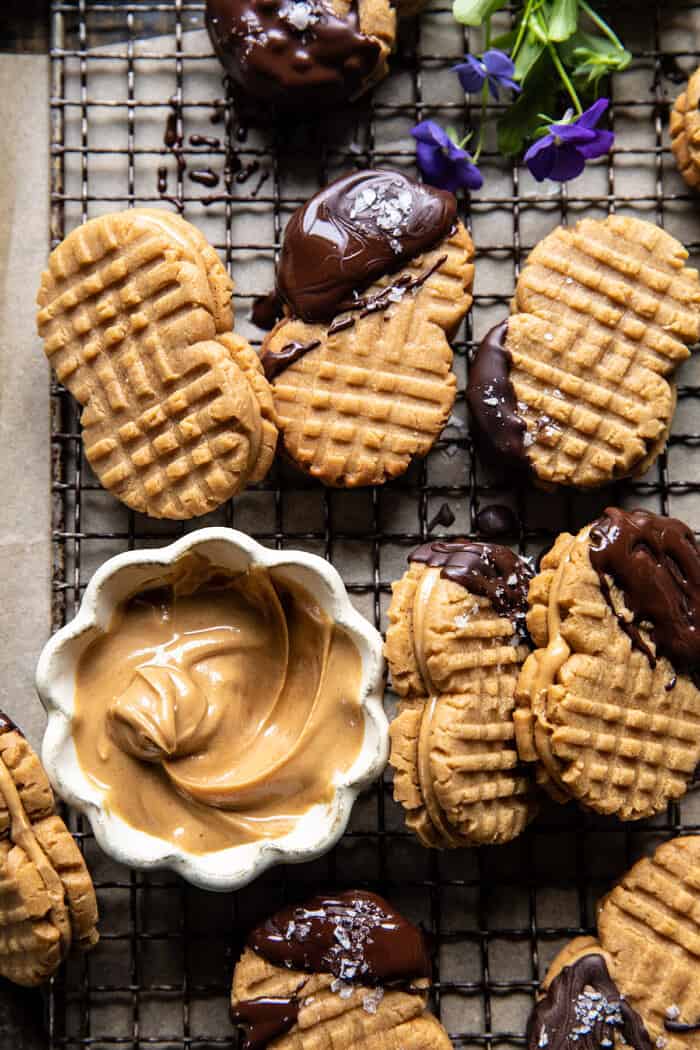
{"x": 301, "y": 15}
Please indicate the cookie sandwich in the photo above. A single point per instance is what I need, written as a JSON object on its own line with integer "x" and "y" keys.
{"x": 576, "y": 386}
{"x": 638, "y": 983}
{"x": 455, "y": 644}
{"x": 47, "y": 900}
{"x": 341, "y": 969}
{"x": 376, "y": 274}
{"x": 135, "y": 313}
{"x": 608, "y": 703}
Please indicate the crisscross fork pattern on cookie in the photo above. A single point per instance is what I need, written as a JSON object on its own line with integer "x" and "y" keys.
{"x": 606, "y": 311}
{"x": 121, "y": 314}
{"x": 650, "y": 924}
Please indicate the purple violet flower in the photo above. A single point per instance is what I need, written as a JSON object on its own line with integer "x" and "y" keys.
{"x": 442, "y": 162}
{"x": 562, "y": 153}
{"x": 494, "y": 68}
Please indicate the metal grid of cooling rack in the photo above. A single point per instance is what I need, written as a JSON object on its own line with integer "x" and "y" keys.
{"x": 161, "y": 974}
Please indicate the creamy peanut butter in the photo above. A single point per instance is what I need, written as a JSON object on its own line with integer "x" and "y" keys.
{"x": 217, "y": 712}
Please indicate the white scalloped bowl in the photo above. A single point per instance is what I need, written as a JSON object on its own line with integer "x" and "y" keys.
{"x": 320, "y": 828}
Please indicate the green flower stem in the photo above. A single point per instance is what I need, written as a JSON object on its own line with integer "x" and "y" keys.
{"x": 565, "y": 79}
{"x": 484, "y": 97}
{"x": 601, "y": 24}
{"x": 522, "y": 28}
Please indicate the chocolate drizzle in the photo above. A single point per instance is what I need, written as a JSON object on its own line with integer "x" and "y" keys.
{"x": 293, "y": 53}
{"x": 205, "y": 177}
{"x": 583, "y": 1008}
{"x": 267, "y": 310}
{"x": 7, "y": 725}
{"x": 496, "y": 520}
{"x": 485, "y": 569}
{"x": 359, "y": 228}
{"x": 275, "y": 361}
{"x": 355, "y": 935}
{"x": 655, "y": 562}
{"x": 499, "y": 430}
{"x": 264, "y": 1020}
{"x": 681, "y": 1027}
{"x": 443, "y": 516}
{"x": 205, "y": 140}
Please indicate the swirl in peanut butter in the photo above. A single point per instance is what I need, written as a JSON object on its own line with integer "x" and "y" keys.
{"x": 218, "y": 714}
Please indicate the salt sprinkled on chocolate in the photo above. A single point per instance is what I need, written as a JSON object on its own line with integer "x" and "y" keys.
{"x": 299, "y": 14}
{"x": 487, "y": 570}
{"x": 584, "y": 1008}
{"x": 388, "y": 207}
{"x": 356, "y": 936}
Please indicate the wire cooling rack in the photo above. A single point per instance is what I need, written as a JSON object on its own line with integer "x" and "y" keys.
{"x": 121, "y": 73}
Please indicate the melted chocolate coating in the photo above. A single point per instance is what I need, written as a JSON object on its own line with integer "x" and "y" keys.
{"x": 569, "y": 1016}
{"x": 267, "y": 311}
{"x": 443, "y": 516}
{"x": 356, "y": 936}
{"x": 293, "y": 53}
{"x": 264, "y": 1020}
{"x": 275, "y": 361}
{"x": 655, "y": 562}
{"x": 485, "y": 569}
{"x": 359, "y": 228}
{"x": 498, "y": 429}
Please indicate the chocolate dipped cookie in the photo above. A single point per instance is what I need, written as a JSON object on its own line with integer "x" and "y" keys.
{"x": 376, "y": 274}
{"x": 608, "y": 703}
{"x": 47, "y": 900}
{"x": 638, "y": 983}
{"x": 135, "y": 313}
{"x": 342, "y": 969}
{"x": 576, "y": 386}
{"x": 455, "y": 644}
{"x": 304, "y": 55}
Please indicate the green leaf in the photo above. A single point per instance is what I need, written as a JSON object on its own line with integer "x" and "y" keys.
{"x": 505, "y": 41}
{"x": 562, "y": 20}
{"x": 475, "y": 12}
{"x": 521, "y": 121}
{"x": 529, "y": 52}
{"x": 592, "y": 57}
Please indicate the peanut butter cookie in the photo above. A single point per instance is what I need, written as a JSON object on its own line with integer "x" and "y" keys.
{"x": 455, "y": 645}
{"x": 608, "y": 704}
{"x": 576, "y": 386}
{"x": 638, "y": 984}
{"x": 302, "y": 54}
{"x": 339, "y": 970}
{"x": 47, "y": 900}
{"x": 376, "y": 273}
{"x": 685, "y": 131}
{"x": 135, "y": 312}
